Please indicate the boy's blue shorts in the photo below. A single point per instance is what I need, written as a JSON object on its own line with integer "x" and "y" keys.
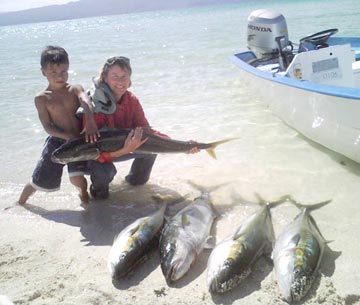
{"x": 47, "y": 174}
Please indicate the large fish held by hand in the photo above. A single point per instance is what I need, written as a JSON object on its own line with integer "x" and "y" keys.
{"x": 297, "y": 254}
{"x": 185, "y": 236}
{"x": 133, "y": 242}
{"x": 78, "y": 149}
{"x": 231, "y": 260}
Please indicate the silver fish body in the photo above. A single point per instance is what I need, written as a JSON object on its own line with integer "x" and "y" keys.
{"x": 134, "y": 242}
{"x": 297, "y": 255}
{"x": 231, "y": 260}
{"x": 184, "y": 237}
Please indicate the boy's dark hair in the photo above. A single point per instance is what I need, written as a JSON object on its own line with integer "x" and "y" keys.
{"x": 53, "y": 55}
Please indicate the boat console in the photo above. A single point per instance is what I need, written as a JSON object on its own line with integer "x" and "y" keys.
{"x": 329, "y": 65}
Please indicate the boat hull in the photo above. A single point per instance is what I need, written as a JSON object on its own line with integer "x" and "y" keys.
{"x": 331, "y": 120}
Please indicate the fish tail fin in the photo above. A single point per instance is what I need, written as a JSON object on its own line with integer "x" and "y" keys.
{"x": 211, "y": 150}
{"x": 167, "y": 199}
{"x": 272, "y": 204}
{"x": 307, "y": 207}
{"x": 206, "y": 190}
{"x": 164, "y": 201}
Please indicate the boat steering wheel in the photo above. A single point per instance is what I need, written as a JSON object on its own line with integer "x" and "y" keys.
{"x": 319, "y": 37}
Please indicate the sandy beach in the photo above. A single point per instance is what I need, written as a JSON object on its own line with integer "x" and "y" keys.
{"x": 56, "y": 253}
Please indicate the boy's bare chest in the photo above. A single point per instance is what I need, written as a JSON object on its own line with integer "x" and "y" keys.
{"x": 67, "y": 104}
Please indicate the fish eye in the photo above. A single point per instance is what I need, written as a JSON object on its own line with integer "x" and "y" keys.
{"x": 297, "y": 271}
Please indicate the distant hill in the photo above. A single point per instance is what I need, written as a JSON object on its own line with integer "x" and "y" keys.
{"x": 91, "y": 8}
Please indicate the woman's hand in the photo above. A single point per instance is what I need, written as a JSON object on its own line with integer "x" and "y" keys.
{"x": 134, "y": 140}
{"x": 193, "y": 150}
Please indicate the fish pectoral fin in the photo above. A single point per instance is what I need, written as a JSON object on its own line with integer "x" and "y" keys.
{"x": 210, "y": 242}
{"x": 134, "y": 230}
{"x": 239, "y": 233}
{"x": 184, "y": 220}
{"x": 268, "y": 248}
{"x": 94, "y": 153}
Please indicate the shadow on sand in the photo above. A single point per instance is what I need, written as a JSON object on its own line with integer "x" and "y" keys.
{"x": 350, "y": 165}
{"x": 102, "y": 220}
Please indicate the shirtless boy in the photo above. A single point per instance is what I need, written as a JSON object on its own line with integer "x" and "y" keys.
{"x": 57, "y": 106}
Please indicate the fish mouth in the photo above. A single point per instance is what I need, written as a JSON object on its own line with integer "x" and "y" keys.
{"x": 57, "y": 160}
{"x": 214, "y": 287}
{"x": 300, "y": 287}
{"x": 172, "y": 274}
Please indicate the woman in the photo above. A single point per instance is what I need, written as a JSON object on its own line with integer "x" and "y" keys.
{"x": 115, "y": 79}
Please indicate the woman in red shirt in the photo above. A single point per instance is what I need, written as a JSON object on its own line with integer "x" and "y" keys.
{"x": 115, "y": 79}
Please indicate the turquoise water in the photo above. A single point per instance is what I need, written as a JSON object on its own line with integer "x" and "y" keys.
{"x": 183, "y": 78}
{"x": 189, "y": 90}
{"x": 181, "y": 72}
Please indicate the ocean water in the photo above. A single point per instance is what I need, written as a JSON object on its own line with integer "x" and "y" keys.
{"x": 189, "y": 90}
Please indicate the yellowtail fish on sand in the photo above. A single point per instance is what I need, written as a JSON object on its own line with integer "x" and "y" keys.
{"x": 78, "y": 149}
{"x": 134, "y": 242}
{"x": 231, "y": 260}
{"x": 297, "y": 254}
{"x": 185, "y": 236}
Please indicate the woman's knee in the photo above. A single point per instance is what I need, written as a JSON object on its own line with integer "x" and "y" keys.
{"x": 104, "y": 172}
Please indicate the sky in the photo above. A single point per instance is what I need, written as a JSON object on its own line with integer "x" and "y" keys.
{"x": 17, "y": 5}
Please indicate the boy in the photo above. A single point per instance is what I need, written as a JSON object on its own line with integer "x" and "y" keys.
{"x": 57, "y": 106}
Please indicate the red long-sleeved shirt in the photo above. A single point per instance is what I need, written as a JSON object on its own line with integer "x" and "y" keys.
{"x": 129, "y": 114}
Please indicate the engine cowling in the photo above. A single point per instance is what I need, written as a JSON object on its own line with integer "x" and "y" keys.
{"x": 264, "y": 26}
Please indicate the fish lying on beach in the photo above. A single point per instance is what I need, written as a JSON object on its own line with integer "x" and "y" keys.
{"x": 185, "y": 236}
{"x": 297, "y": 254}
{"x": 231, "y": 260}
{"x": 78, "y": 149}
{"x": 133, "y": 243}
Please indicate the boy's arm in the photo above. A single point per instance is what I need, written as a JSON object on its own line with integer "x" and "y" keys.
{"x": 90, "y": 129}
{"x": 46, "y": 121}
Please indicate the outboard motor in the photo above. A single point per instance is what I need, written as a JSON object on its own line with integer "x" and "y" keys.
{"x": 267, "y": 36}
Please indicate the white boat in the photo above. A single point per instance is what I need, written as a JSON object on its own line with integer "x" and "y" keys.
{"x": 313, "y": 86}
